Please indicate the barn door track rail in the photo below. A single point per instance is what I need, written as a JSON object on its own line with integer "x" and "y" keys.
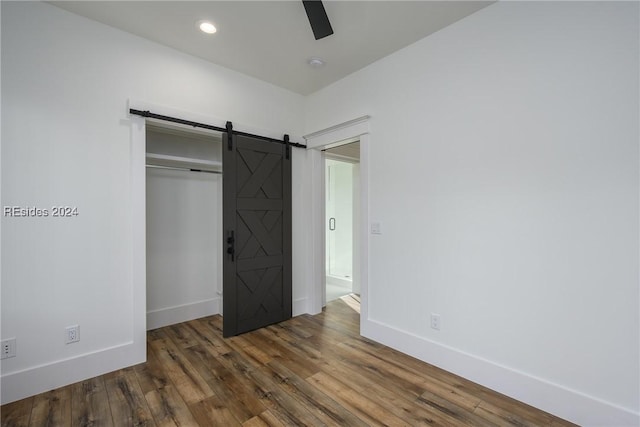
{"x": 228, "y": 128}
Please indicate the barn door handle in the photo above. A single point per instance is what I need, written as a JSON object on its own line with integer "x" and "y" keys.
{"x": 332, "y": 224}
{"x": 231, "y": 247}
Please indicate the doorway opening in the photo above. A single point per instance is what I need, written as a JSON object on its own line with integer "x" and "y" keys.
{"x": 356, "y": 130}
{"x": 342, "y": 221}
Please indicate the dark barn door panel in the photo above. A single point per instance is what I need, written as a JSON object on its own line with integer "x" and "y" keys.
{"x": 257, "y": 227}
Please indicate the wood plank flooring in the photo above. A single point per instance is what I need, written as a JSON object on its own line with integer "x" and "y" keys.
{"x": 310, "y": 370}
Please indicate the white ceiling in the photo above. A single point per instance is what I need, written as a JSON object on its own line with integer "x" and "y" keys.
{"x": 272, "y": 40}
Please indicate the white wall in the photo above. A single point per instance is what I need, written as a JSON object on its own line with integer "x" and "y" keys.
{"x": 184, "y": 250}
{"x": 67, "y": 139}
{"x": 302, "y": 254}
{"x": 504, "y": 172}
{"x": 356, "y": 234}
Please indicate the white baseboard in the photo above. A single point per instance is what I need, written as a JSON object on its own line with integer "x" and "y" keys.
{"x": 28, "y": 382}
{"x": 339, "y": 281}
{"x": 300, "y": 307}
{"x": 182, "y": 313}
{"x": 563, "y": 402}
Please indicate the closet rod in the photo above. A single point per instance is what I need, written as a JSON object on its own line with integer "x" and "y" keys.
{"x": 183, "y": 169}
{"x": 151, "y": 115}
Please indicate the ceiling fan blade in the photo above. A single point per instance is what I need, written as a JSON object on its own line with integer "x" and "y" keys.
{"x": 317, "y": 18}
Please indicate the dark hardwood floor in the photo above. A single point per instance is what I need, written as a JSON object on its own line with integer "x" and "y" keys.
{"x": 310, "y": 370}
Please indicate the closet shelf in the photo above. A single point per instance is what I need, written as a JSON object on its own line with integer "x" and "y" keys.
{"x": 185, "y": 162}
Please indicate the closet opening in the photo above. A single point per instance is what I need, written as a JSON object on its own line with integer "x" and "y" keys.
{"x": 183, "y": 223}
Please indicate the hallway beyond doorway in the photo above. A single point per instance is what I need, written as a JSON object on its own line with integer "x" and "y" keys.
{"x": 342, "y": 211}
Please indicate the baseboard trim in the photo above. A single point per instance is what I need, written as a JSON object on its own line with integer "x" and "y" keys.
{"x": 339, "y": 281}
{"x": 300, "y": 307}
{"x": 182, "y": 313}
{"x": 563, "y": 402}
{"x": 21, "y": 384}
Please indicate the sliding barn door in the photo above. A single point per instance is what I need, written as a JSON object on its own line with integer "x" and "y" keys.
{"x": 257, "y": 232}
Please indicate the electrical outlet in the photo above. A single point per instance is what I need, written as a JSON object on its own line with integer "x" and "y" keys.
{"x": 72, "y": 334}
{"x": 435, "y": 321}
{"x": 8, "y": 348}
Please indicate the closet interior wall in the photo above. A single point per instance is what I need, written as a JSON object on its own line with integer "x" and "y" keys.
{"x": 184, "y": 224}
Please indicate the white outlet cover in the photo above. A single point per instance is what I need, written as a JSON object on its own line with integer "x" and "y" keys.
{"x": 435, "y": 321}
{"x": 72, "y": 334}
{"x": 11, "y": 348}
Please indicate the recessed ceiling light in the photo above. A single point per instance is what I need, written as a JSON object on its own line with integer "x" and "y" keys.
{"x": 207, "y": 27}
{"x": 315, "y": 62}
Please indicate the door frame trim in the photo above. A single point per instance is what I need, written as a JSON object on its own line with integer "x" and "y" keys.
{"x": 350, "y": 131}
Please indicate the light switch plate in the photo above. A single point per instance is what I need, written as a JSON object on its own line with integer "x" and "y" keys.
{"x": 375, "y": 228}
